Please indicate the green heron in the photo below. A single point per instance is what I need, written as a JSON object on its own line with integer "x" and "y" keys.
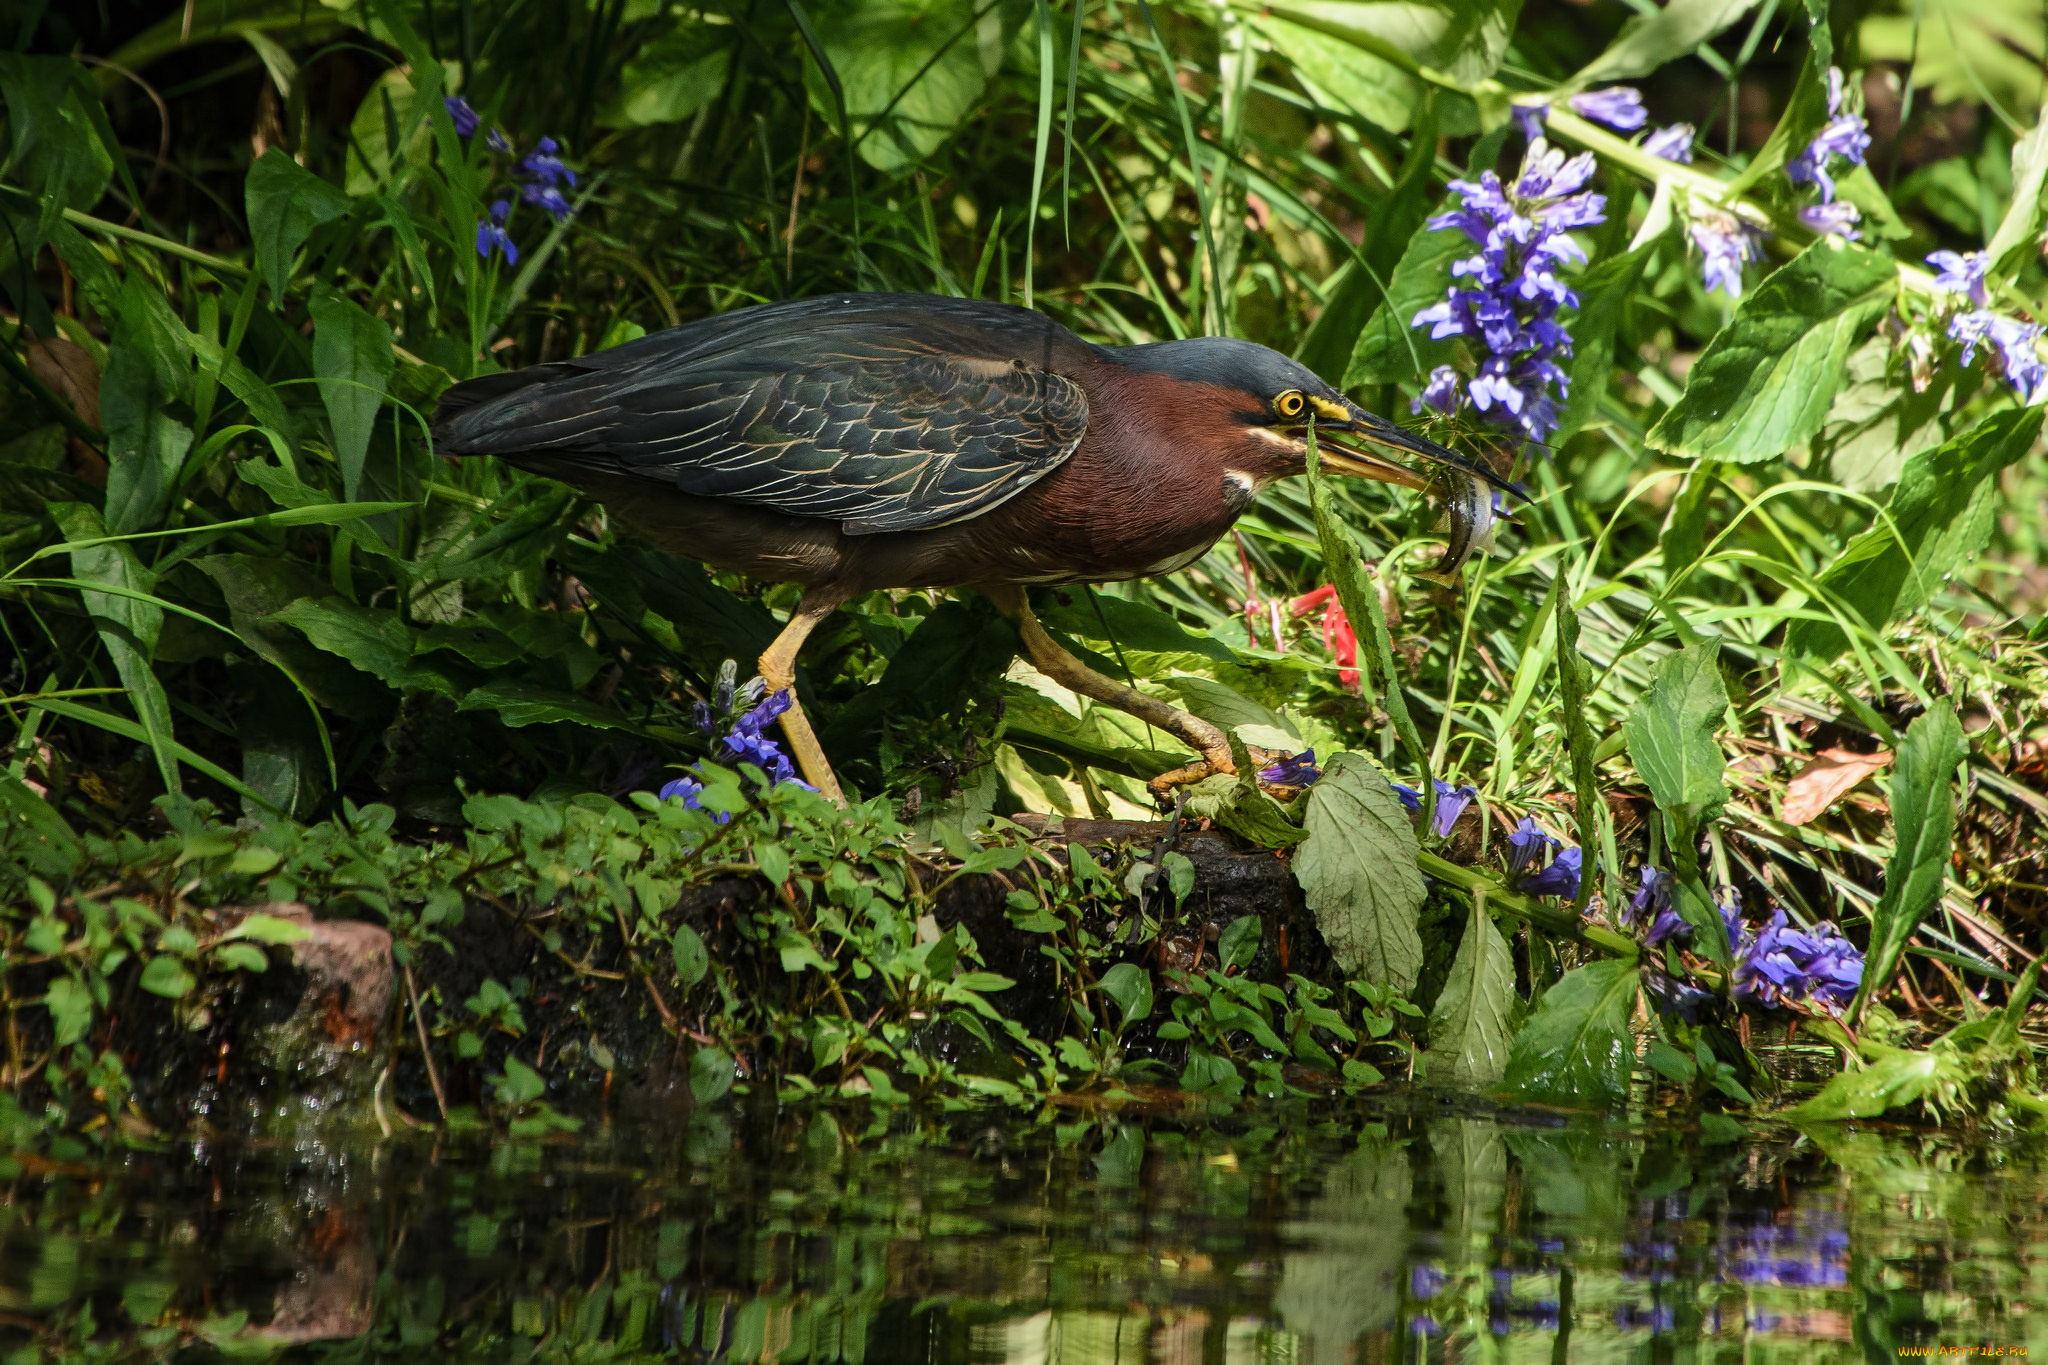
{"x": 864, "y": 441}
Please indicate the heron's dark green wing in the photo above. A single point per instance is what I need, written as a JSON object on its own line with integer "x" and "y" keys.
{"x": 881, "y": 412}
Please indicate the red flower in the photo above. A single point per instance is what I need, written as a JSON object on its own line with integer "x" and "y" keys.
{"x": 1338, "y": 636}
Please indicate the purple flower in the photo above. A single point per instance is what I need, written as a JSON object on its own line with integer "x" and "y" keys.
{"x": 2014, "y": 344}
{"x": 1450, "y": 804}
{"x": 1410, "y": 797}
{"x": 1530, "y": 118}
{"x": 1962, "y": 273}
{"x": 498, "y": 142}
{"x": 1299, "y": 771}
{"x": 1425, "y": 1281}
{"x": 1653, "y": 896}
{"x": 544, "y": 167}
{"x": 1619, "y": 107}
{"x": 549, "y": 198}
{"x": 1784, "y": 962}
{"x": 1672, "y": 144}
{"x": 1423, "y": 1325}
{"x": 687, "y": 789}
{"x": 464, "y": 117}
{"x": 491, "y": 235}
{"x": 1506, "y": 297}
{"x": 1726, "y": 243}
{"x": 746, "y": 744}
{"x": 1441, "y": 393}
{"x": 1845, "y": 136}
{"x": 1560, "y": 878}
{"x": 1831, "y": 219}
{"x": 700, "y": 716}
{"x": 1526, "y": 844}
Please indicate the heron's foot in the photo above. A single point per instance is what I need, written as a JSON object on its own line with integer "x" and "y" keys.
{"x": 778, "y": 670}
{"x": 808, "y": 753}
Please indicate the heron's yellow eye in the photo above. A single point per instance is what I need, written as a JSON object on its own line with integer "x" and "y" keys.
{"x": 1290, "y": 403}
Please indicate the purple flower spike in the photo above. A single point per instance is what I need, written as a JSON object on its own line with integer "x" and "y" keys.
{"x": 1450, "y": 804}
{"x": 1672, "y": 144}
{"x": 491, "y": 235}
{"x": 2012, "y": 342}
{"x": 1530, "y": 118}
{"x": 1425, "y": 1281}
{"x": 544, "y": 166}
{"x": 1441, "y": 393}
{"x": 1561, "y": 878}
{"x": 1786, "y": 963}
{"x": 1654, "y": 896}
{"x": 1619, "y": 107}
{"x": 464, "y": 117}
{"x": 1726, "y": 244}
{"x": 685, "y": 789}
{"x": 1845, "y": 136}
{"x": 1962, "y": 273}
{"x": 1526, "y": 844}
{"x": 1299, "y": 771}
{"x": 1832, "y": 219}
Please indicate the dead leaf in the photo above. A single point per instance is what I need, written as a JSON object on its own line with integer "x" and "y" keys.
{"x": 1825, "y": 777}
{"x": 67, "y": 368}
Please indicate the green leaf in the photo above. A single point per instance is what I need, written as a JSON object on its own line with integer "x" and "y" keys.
{"x": 1357, "y": 872}
{"x": 128, "y": 626}
{"x": 1805, "y": 113}
{"x": 146, "y": 445}
{"x": 1765, "y": 381}
{"x": 70, "y": 1006}
{"x": 260, "y": 928}
{"x": 1923, "y": 825}
{"x": 285, "y": 203}
{"x": 1131, "y": 987}
{"x": 1239, "y": 942}
{"x": 711, "y": 1074}
{"x": 1468, "y": 1029}
{"x": 241, "y": 956}
{"x": 1355, "y": 78}
{"x": 1464, "y": 39}
{"x": 1670, "y": 733}
{"x": 166, "y": 976}
{"x": 1391, "y": 349}
{"x": 519, "y": 704}
{"x": 1648, "y": 41}
{"x": 1603, "y": 292}
{"x": 1942, "y": 511}
{"x": 1577, "y": 1049}
{"x": 910, "y": 70}
{"x": 673, "y": 76}
{"x": 1718, "y": 1128}
{"x": 1894, "y": 1081}
{"x": 693, "y": 959}
{"x": 352, "y": 359}
{"x": 1685, "y": 529}
{"x": 377, "y": 642}
{"x": 520, "y": 1084}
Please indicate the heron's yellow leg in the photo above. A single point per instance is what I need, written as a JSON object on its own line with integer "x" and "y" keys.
{"x": 1049, "y": 658}
{"x": 778, "y": 670}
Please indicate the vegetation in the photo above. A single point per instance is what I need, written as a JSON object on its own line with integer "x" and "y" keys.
{"x": 1736, "y": 726}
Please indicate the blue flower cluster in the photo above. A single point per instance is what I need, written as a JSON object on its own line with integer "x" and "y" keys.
{"x": 1507, "y": 306}
{"x": 540, "y": 173}
{"x": 2015, "y": 344}
{"x": 1845, "y": 136}
{"x": 744, "y": 743}
{"x": 1299, "y": 771}
{"x": 1778, "y": 963}
{"x": 1450, "y": 803}
{"x": 1532, "y": 869}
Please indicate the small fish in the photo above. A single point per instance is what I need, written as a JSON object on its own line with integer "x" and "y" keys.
{"x": 1468, "y": 518}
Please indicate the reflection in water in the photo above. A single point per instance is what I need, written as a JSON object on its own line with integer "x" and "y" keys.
{"x": 1312, "y": 1238}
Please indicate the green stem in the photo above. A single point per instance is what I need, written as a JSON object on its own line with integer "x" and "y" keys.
{"x": 1558, "y": 922}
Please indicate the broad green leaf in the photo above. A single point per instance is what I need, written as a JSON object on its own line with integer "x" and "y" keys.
{"x": 377, "y": 642}
{"x": 166, "y": 976}
{"x": 1130, "y": 985}
{"x": 1670, "y": 732}
{"x": 711, "y": 1074}
{"x": 146, "y": 445}
{"x": 1244, "y": 810}
{"x": 70, "y": 1006}
{"x": 1648, "y": 41}
{"x": 1391, "y": 349}
{"x": 352, "y": 359}
{"x": 1464, "y": 39}
{"x": 1357, "y": 872}
{"x": 285, "y": 203}
{"x": 128, "y": 626}
{"x": 673, "y": 76}
{"x": 1963, "y": 50}
{"x": 520, "y": 1084}
{"x": 1806, "y": 112}
{"x": 1941, "y": 510}
{"x": 1575, "y": 682}
{"x": 382, "y": 134}
{"x": 245, "y": 957}
{"x": 1765, "y": 381}
{"x": 1228, "y": 709}
{"x": 1353, "y": 77}
{"x": 1603, "y": 292}
{"x": 1894, "y": 1081}
{"x": 693, "y": 959}
{"x": 58, "y": 151}
{"x": 1468, "y": 1029}
{"x": 1239, "y": 942}
{"x": 519, "y": 704}
{"x": 1685, "y": 528}
{"x": 1577, "y": 1049}
{"x": 1923, "y": 825}
{"x": 270, "y": 929}
{"x": 910, "y": 70}
{"x": 1135, "y": 627}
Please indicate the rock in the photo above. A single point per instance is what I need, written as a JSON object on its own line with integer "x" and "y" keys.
{"x": 317, "y": 1029}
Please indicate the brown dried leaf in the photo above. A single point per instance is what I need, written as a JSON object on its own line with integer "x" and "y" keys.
{"x": 1826, "y": 776}
{"x": 68, "y": 370}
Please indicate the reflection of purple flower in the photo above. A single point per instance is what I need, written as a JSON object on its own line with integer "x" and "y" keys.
{"x": 1657, "y": 1317}
{"x": 464, "y": 117}
{"x": 1561, "y": 878}
{"x": 491, "y": 235}
{"x": 2012, "y": 341}
{"x": 1726, "y": 243}
{"x": 1507, "y": 296}
{"x": 1530, "y": 119}
{"x": 1450, "y": 804}
{"x": 1962, "y": 273}
{"x": 1299, "y": 771}
{"x": 1844, "y": 136}
{"x": 1672, "y": 144}
{"x": 1526, "y": 844}
{"x": 1832, "y": 219}
{"x": 1619, "y": 107}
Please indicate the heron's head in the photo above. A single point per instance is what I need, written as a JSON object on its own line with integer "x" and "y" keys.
{"x": 1252, "y": 407}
